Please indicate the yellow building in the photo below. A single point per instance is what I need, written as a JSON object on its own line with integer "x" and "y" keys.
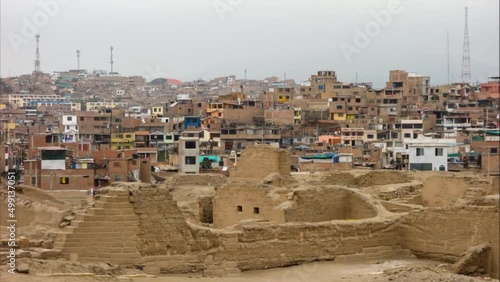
{"x": 121, "y": 141}
{"x": 157, "y": 111}
{"x": 215, "y": 106}
{"x": 339, "y": 116}
{"x": 8, "y": 129}
{"x": 284, "y": 99}
{"x": 2, "y": 106}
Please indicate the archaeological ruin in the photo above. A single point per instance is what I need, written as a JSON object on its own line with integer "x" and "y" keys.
{"x": 263, "y": 216}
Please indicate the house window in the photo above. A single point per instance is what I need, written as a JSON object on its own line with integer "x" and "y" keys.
{"x": 339, "y": 107}
{"x": 64, "y": 180}
{"x": 369, "y": 136}
{"x": 407, "y": 135}
{"x": 69, "y": 118}
{"x": 33, "y": 180}
{"x": 340, "y": 115}
{"x": 82, "y": 118}
{"x": 438, "y": 152}
{"x": 190, "y": 160}
{"x": 239, "y": 208}
{"x": 493, "y": 150}
{"x": 256, "y": 210}
{"x": 190, "y": 145}
{"x": 420, "y": 151}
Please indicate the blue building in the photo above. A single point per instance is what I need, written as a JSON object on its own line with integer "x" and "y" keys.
{"x": 192, "y": 122}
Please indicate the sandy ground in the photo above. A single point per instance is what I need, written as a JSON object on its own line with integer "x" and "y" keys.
{"x": 395, "y": 270}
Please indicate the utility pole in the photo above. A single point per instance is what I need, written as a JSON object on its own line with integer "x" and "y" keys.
{"x": 111, "y": 60}
{"x": 78, "y": 59}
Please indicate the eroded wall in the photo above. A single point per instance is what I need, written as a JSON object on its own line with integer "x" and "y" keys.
{"x": 444, "y": 234}
{"x": 237, "y": 201}
{"x": 258, "y": 161}
{"x": 327, "y": 203}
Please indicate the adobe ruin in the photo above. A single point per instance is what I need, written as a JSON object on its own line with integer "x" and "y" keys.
{"x": 263, "y": 217}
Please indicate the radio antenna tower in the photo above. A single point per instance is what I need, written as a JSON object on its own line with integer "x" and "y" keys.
{"x": 78, "y": 59}
{"x": 37, "y": 55}
{"x": 466, "y": 75}
{"x": 111, "y": 61}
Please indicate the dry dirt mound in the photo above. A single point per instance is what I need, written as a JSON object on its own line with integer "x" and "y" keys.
{"x": 40, "y": 267}
{"x": 201, "y": 179}
{"x": 365, "y": 180}
{"x": 342, "y": 179}
{"x": 429, "y": 273}
{"x": 278, "y": 180}
{"x": 382, "y": 178}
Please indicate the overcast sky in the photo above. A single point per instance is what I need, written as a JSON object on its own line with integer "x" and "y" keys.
{"x": 190, "y": 39}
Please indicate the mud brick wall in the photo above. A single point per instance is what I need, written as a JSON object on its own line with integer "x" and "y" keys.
{"x": 328, "y": 203}
{"x": 275, "y": 245}
{"x": 444, "y": 234}
{"x": 248, "y": 197}
{"x": 258, "y": 161}
{"x": 162, "y": 229}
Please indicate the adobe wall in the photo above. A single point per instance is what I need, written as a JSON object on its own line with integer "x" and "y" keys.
{"x": 444, "y": 234}
{"x": 248, "y": 196}
{"x": 442, "y": 191}
{"x": 264, "y": 245}
{"x": 258, "y": 161}
{"x": 143, "y": 225}
{"x": 327, "y": 203}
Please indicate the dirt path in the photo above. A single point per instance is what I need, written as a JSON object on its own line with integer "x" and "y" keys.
{"x": 395, "y": 270}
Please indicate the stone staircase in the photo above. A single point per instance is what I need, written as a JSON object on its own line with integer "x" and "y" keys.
{"x": 106, "y": 233}
{"x": 413, "y": 198}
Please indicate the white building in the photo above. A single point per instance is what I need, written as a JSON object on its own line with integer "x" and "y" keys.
{"x": 428, "y": 156}
{"x": 189, "y": 148}
{"x": 70, "y": 129}
{"x": 24, "y": 99}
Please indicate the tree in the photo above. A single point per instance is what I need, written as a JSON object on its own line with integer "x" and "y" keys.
{"x": 206, "y": 164}
{"x": 5, "y": 88}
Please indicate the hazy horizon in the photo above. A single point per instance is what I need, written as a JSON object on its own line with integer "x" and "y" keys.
{"x": 208, "y": 39}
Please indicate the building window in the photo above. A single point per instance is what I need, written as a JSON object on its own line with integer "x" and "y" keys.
{"x": 420, "y": 151}
{"x": 33, "y": 180}
{"x": 407, "y": 135}
{"x": 493, "y": 150}
{"x": 69, "y": 118}
{"x": 190, "y": 145}
{"x": 370, "y": 136}
{"x": 439, "y": 151}
{"x": 190, "y": 160}
{"x": 64, "y": 180}
{"x": 256, "y": 210}
{"x": 239, "y": 208}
